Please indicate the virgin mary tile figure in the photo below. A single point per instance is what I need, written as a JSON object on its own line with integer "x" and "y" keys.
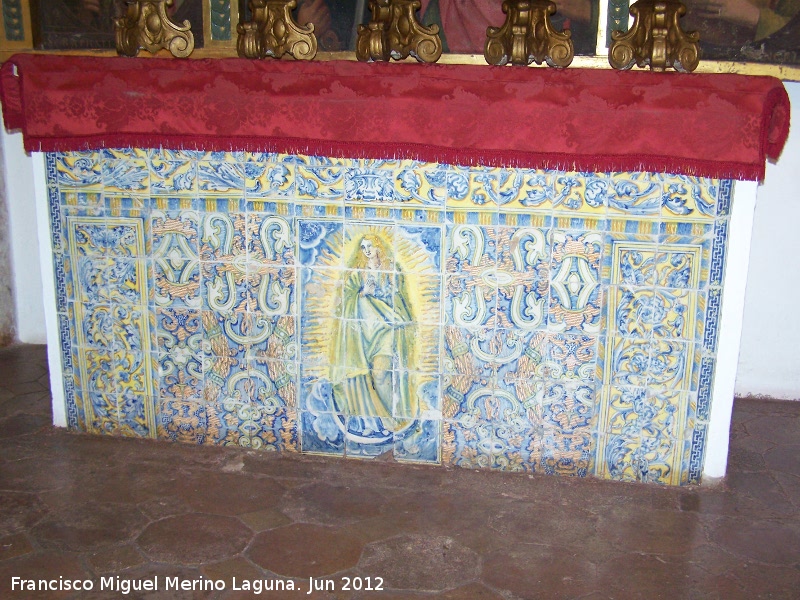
{"x": 373, "y": 346}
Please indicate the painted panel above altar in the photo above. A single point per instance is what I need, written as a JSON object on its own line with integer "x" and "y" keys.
{"x": 500, "y": 318}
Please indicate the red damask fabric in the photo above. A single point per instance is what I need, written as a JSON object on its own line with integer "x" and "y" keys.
{"x": 574, "y": 119}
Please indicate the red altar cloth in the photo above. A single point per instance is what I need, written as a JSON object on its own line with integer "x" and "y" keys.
{"x": 574, "y": 119}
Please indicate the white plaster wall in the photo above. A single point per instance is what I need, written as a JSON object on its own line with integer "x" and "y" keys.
{"x": 7, "y": 316}
{"x": 25, "y": 271}
{"x": 769, "y": 359}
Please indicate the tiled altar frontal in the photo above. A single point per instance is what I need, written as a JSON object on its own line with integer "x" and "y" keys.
{"x": 510, "y": 319}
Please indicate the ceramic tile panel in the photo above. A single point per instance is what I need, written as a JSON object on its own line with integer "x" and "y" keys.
{"x": 512, "y": 319}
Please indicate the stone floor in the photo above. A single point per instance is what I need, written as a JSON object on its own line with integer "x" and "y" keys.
{"x": 84, "y": 507}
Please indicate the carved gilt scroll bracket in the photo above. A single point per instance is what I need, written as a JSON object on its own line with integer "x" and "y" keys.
{"x": 527, "y": 36}
{"x": 656, "y": 39}
{"x": 274, "y": 32}
{"x": 146, "y": 25}
{"x": 394, "y": 32}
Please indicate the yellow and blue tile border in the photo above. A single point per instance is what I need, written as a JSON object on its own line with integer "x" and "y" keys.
{"x": 512, "y": 319}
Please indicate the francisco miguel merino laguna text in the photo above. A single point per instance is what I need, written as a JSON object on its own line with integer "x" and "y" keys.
{"x": 126, "y": 586}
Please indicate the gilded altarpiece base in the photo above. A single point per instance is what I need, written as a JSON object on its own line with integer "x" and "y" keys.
{"x": 512, "y": 319}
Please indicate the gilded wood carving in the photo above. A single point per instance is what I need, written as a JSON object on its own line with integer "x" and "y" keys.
{"x": 528, "y": 36}
{"x": 274, "y": 32}
{"x": 146, "y": 25}
{"x": 394, "y": 32}
{"x": 656, "y": 39}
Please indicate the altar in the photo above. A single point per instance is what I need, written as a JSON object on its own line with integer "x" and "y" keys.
{"x": 498, "y": 268}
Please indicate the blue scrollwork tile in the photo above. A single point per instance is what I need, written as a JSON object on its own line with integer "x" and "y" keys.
{"x": 102, "y": 415}
{"x": 130, "y": 328}
{"x": 629, "y": 261}
{"x": 127, "y": 280}
{"x": 176, "y": 281}
{"x": 97, "y": 370}
{"x": 671, "y": 364}
{"x": 270, "y": 239}
{"x": 633, "y": 194}
{"x": 274, "y": 383}
{"x": 126, "y": 175}
{"x": 271, "y": 290}
{"x": 231, "y": 334}
{"x": 221, "y": 177}
{"x": 273, "y": 429}
{"x": 678, "y": 269}
{"x": 468, "y": 304}
{"x": 182, "y": 420}
{"x": 673, "y": 314}
{"x": 569, "y": 406}
{"x": 180, "y": 374}
{"x": 133, "y": 372}
{"x": 273, "y": 338}
{"x": 570, "y": 357}
{"x": 575, "y": 294}
{"x": 626, "y": 361}
{"x": 173, "y": 176}
{"x": 86, "y": 232}
{"x": 91, "y": 278}
{"x": 223, "y": 237}
{"x": 175, "y": 233}
{"x": 521, "y": 277}
{"x": 126, "y": 237}
{"x": 225, "y": 286}
{"x": 269, "y": 177}
{"x": 229, "y": 423}
{"x": 633, "y": 312}
{"x": 637, "y": 412}
{"x": 92, "y": 325}
{"x": 468, "y": 444}
{"x": 134, "y": 415}
{"x": 79, "y": 170}
{"x": 320, "y": 183}
{"x": 688, "y": 197}
{"x": 645, "y": 459}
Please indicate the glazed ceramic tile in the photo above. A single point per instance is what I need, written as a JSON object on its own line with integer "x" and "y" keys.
{"x": 575, "y": 294}
{"x": 220, "y": 177}
{"x": 79, "y": 169}
{"x": 269, "y": 177}
{"x": 512, "y": 319}
{"x": 173, "y": 177}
